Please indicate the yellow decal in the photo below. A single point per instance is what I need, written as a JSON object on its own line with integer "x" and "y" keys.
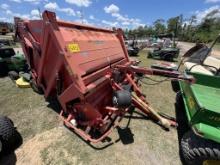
{"x": 191, "y": 103}
{"x": 73, "y": 48}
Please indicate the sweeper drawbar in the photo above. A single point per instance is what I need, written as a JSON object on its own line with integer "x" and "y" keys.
{"x": 88, "y": 70}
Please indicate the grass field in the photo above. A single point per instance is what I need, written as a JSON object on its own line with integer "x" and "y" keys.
{"x": 47, "y": 141}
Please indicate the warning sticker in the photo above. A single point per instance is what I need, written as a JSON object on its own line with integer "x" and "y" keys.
{"x": 73, "y": 48}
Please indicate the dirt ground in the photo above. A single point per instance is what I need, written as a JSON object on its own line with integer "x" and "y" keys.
{"x": 47, "y": 141}
{"x": 184, "y": 46}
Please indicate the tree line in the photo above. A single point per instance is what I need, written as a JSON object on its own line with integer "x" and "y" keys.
{"x": 190, "y": 30}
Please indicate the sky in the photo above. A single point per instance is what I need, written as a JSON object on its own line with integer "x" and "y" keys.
{"x": 108, "y": 13}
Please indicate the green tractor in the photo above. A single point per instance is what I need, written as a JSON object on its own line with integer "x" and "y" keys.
{"x": 198, "y": 108}
{"x": 11, "y": 63}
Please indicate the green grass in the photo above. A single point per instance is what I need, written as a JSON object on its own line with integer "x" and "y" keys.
{"x": 217, "y": 46}
{"x": 35, "y": 120}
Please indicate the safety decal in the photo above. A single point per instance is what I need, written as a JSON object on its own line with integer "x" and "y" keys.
{"x": 73, "y": 48}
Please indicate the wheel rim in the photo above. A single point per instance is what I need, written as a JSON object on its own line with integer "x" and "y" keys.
{"x": 211, "y": 162}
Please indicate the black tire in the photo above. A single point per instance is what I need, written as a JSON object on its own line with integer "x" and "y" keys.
{"x": 9, "y": 136}
{"x": 196, "y": 150}
{"x": 168, "y": 57}
{"x": 122, "y": 99}
{"x": 175, "y": 85}
{"x": 13, "y": 75}
{"x": 149, "y": 55}
{"x": 3, "y": 69}
{"x": 36, "y": 88}
{"x": 3, "y": 33}
{"x": 136, "y": 51}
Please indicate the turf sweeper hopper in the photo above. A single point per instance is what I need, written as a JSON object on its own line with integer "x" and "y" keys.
{"x": 88, "y": 70}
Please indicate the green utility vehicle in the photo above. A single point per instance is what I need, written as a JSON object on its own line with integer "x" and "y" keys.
{"x": 198, "y": 110}
{"x": 167, "y": 54}
{"x": 11, "y": 61}
{"x": 167, "y": 50}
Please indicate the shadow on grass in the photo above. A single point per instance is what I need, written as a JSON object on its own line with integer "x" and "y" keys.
{"x": 125, "y": 133}
{"x": 54, "y": 104}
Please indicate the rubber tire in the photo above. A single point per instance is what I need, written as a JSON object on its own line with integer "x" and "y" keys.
{"x": 36, "y": 88}
{"x": 8, "y": 135}
{"x": 181, "y": 117}
{"x": 175, "y": 85}
{"x": 4, "y": 69}
{"x": 196, "y": 149}
{"x": 168, "y": 57}
{"x": 122, "y": 99}
{"x": 13, "y": 75}
{"x": 149, "y": 55}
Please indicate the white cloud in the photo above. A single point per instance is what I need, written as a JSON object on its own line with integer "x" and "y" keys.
{"x": 123, "y": 20}
{"x": 83, "y": 21}
{"x": 111, "y": 9}
{"x": 126, "y": 23}
{"x": 54, "y": 6}
{"x": 18, "y": 1}
{"x": 109, "y": 23}
{"x": 51, "y": 6}
{"x": 35, "y": 13}
{"x": 68, "y": 11}
{"x": 30, "y": 1}
{"x": 36, "y": 2}
{"x": 23, "y": 16}
{"x": 80, "y": 3}
{"x": 200, "y": 15}
{"x": 8, "y": 12}
{"x": 212, "y": 1}
{"x": 78, "y": 13}
{"x": 91, "y": 17}
{"x": 4, "y": 19}
{"x": 4, "y": 6}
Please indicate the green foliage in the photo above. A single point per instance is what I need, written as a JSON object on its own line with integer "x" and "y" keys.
{"x": 159, "y": 26}
{"x": 191, "y": 30}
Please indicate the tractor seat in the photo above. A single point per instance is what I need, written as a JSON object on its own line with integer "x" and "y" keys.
{"x": 197, "y": 68}
{"x": 212, "y": 61}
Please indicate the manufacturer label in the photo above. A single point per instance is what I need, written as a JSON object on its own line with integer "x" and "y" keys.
{"x": 73, "y": 48}
{"x": 191, "y": 103}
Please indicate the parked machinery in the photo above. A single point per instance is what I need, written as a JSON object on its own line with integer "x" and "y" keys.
{"x": 198, "y": 107}
{"x": 4, "y": 29}
{"x": 89, "y": 71}
{"x": 166, "y": 49}
{"x": 11, "y": 61}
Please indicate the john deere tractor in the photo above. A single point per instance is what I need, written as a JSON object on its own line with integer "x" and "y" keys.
{"x": 198, "y": 108}
{"x": 11, "y": 61}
